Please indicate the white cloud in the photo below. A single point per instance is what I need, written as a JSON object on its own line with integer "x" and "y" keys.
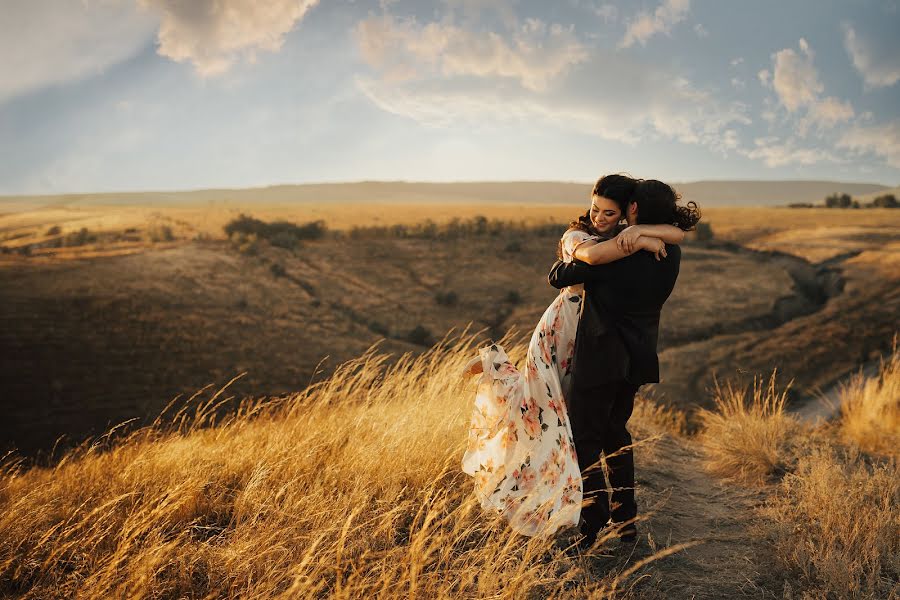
{"x": 738, "y": 83}
{"x": 45, "y": 43}
{"x": 795, "y": 78}
{"x": 883, "y": 141}
{"x": 608, "y": 12}
{"x": 646, "y": 25}
{"x": 736, "y": 61}
{"x": 403, "y": 49}
{"x": 214, "y": 34}
{"x": 764, "y": 77}
{"x": 797, "y": 85}
{"x": 440, "y": 75}
{"x": 701, "y": 31}
{"x": 776, "y": 153}
{"x": 879, "y": 64}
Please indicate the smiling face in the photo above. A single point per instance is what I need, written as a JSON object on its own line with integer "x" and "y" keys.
{"x": 605, "y": 214}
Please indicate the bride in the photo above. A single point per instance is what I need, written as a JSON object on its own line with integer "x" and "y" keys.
{"x": 520, "y": 449}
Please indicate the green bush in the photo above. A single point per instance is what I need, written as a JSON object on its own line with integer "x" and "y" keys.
{"x": 838, "y": 201}
{"x": 55, "y": 230}
{"x": 278, "y": 270}
{"x": 886, "y": 201}
{"x": 283, "y": 234}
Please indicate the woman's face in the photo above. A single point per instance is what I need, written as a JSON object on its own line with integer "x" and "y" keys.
{"x": 605, "y": 214}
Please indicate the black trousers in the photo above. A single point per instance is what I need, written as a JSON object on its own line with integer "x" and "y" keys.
{"x": 599, "y": 417}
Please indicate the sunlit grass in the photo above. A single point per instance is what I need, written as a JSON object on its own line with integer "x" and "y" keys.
{"x": 351, "y": 489}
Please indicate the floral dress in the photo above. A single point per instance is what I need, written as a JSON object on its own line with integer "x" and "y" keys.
{"x": 520, "y": 449}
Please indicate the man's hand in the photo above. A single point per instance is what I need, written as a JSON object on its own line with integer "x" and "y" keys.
{"x": 627, "y": 241}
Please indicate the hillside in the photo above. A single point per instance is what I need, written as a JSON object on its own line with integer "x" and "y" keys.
{"x": 97, "y": 334}
{"x": 710, "y": 193}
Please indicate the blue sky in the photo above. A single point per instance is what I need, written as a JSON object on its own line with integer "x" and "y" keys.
{"x": 107, "y": 95}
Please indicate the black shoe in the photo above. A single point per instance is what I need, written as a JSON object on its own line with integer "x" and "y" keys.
{"x": 628, "y": 534}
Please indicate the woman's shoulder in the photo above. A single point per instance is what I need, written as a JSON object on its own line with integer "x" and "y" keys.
{"x": 576, "y": 235}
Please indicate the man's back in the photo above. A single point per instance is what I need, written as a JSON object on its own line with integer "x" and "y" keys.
{"x": 619, "y": 325}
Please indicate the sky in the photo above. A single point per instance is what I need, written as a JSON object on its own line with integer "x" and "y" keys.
{"x": 116, "y": 95}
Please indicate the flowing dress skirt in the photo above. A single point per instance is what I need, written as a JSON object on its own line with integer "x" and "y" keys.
{"x": 520, "y": 449}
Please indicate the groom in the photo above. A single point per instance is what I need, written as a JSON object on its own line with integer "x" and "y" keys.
{"x": 615, "y": 353}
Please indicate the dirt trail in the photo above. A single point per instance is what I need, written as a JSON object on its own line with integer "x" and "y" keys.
{"x": 682, "y": 504}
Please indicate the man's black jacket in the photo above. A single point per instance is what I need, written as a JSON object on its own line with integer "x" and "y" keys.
{"x": 619, "y": 324}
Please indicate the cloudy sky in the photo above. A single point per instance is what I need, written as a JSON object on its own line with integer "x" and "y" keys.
{"x": 106, "y": 95}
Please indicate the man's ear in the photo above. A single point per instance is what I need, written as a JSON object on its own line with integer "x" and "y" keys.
{"x": 632, "y": 208}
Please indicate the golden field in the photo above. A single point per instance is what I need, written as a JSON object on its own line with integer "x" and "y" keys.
{"x": 330, "y": 467}
{"x": 304, "y": 496}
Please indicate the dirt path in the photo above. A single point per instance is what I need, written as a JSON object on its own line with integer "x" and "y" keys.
{"x": 684, "y": 504}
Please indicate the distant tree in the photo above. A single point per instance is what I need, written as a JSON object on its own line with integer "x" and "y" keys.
{"x": 800, "y": 205}
{"x": 886, "y": 201}
{"x": 838, "y": 201}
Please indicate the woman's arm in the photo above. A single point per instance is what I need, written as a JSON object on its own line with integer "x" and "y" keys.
{"x": 600, "y": 253}
{"x": 627, "y": 239}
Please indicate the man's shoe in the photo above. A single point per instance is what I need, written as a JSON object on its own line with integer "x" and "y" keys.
{"x": 628, "y": 534}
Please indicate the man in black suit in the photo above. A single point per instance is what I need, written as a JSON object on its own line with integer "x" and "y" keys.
{"x": 615, "y": 353}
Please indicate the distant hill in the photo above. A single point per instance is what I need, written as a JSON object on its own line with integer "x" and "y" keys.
{"x": 708, "y": 193}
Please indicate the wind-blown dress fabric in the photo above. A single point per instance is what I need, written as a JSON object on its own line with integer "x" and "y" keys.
{"x": 520, "y": 448}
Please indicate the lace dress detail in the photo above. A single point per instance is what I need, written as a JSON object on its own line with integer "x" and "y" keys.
{"x": 520, "y": 449}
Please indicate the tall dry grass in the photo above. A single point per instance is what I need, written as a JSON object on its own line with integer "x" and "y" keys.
{"x": 870, "y": 409}
{"x": 351, "y": 489}
{"x": 747, "y": 436}
{"x": 835, "y": 524}
{"x": 834, "y": 516}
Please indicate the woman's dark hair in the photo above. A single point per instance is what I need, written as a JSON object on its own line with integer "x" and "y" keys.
{"x": 658, "y": 204}
{"x": 617, "y": 187}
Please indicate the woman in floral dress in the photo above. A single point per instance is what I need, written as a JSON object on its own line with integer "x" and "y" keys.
{"x": 520, "y": 449}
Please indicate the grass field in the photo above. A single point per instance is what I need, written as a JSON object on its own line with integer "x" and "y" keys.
{"x": 303, "y": 497}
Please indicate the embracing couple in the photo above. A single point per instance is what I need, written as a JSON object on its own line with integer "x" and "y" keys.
{"x": 537, "y": 435}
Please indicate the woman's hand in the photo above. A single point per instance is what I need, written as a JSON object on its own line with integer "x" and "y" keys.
{"x": 627, "y": 240}
{"x": 654, "y": 245}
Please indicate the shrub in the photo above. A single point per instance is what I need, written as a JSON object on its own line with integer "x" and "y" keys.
{"x": 513, "y": 246}
{"x": 886, "y": 201}
{"x": 838, "y": 201}
{"x": 278, "y": 270}
{"x": 55, "y": 230}
{"x": 283, "y": 234}
{"x": 420, "y": 335}
{"x": 870, "y": 409}
{"x": 446, "y": 298}
{"x": 746, "y": 437}
{"x": 704, "y": 232}
{"x": 379, "y": 328}
{"x": 79, "y": 238}
{"x": 161, "y": 233}
{"x": 284, "y": 239}
{"x": 513, "y": 297}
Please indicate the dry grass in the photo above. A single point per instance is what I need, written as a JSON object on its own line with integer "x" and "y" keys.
{"x": 747, "y": 436}
{"x": 835, "y": 524}
{"x": 834, "y": 517}
{"x": 351, "y": 489}
{"x": 870, "y": 409}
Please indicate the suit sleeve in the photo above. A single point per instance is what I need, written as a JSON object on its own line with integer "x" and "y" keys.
{"x": 564, "y": 274}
